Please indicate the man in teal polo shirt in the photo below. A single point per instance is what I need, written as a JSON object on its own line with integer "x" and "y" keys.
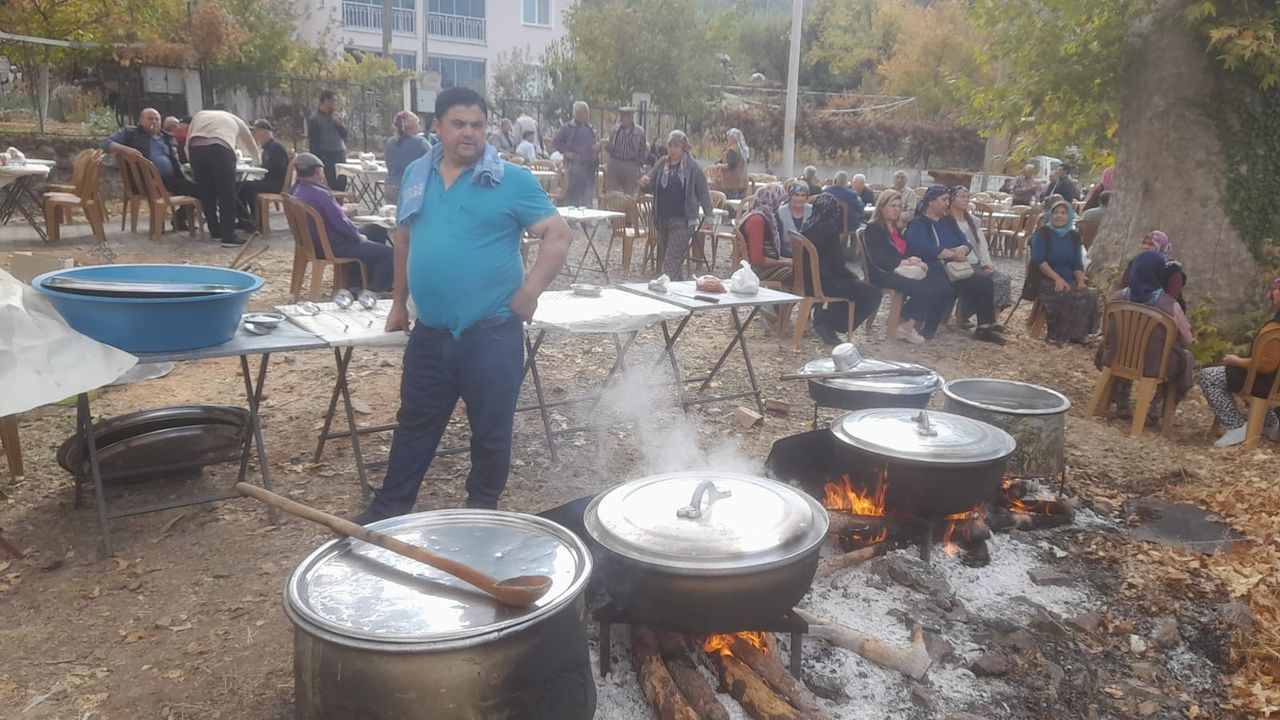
{"x": 461, "y": 216}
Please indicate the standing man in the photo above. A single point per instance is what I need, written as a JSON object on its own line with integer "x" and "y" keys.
{"x": 275, "y": 159}
{"x": 211, "y": 144}
{"x": 627, "y": 148}
{"x": 1024, "y": 187}
{"x": 580, "y": 146}
{"x": 1060, "y": 183}
{"x": 908, "y": 197}
{"x": 147, "y": 140}
{"x": 327, "y": 139}
{"x": 461, "y": 215}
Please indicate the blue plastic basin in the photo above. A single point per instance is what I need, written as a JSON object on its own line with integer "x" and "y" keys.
{"x": 154, "y": 324}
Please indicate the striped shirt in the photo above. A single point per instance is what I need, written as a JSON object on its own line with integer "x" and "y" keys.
{"x": 628, "y": 144}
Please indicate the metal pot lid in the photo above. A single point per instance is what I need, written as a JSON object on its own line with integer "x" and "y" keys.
{"x": 923, "y": 436}
{"x": 362, "y": 591}
{"x": 707, "y": 522}
{"x": 886, "y": 384}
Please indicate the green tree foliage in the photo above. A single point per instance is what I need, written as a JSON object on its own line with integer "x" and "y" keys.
{"x": 853, "y": 37}
{"x": 661, "y": 47}
{"x": 1242, "y": 34}
{"x": 514, "y": 76}
{"x": 1058, "y": 67}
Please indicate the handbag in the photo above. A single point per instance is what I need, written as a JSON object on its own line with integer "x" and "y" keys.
{"x": 911, "y": 272}
{"x": 956, "y": 269}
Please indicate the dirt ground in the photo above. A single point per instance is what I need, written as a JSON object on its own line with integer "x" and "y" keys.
{"x": 185, "y": 620}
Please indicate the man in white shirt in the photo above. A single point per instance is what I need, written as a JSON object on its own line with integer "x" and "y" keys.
{"x": 526, "y": 149}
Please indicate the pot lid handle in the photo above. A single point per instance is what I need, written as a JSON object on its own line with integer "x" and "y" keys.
{"x": 923, "y": 427}
{"x": 694, "y": 509}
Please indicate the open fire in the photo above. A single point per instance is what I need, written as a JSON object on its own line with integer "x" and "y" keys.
{"x": 860, "y": 519}
{"x": 723, "y": 644}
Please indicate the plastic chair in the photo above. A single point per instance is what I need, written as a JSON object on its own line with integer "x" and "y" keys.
{"x": 1267, "y": 343}
{"x": 1129, "y": 328}
{"x": 307, "y": 226}
{"x": 644, "y": 228}
{"x": 897, "y": 298}
{"x": 619, "y": 227}
{"x": 87, "y": 197}
{"x": 804, "y": 258}
{"x": 78, "y": 166}
{"x": 697, "y": 254}
{"x": 143, "y": 174}
{"x": 265, "y": 200}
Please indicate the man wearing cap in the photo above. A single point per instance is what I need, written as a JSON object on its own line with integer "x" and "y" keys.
{"x": 275, "y": 159}
{"x": 346, "y": 240}
{"x": 627, "y": 147}
{"x": 461, "y": 216}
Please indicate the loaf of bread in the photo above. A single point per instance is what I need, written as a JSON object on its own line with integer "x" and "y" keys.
{"x": 710, "y": 283}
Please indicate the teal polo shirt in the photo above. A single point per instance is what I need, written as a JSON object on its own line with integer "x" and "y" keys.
{"x": 464, "y": 251}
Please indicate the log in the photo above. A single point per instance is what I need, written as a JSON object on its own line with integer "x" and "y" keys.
{"x": 695, "y": 688}
{"x": 751, "y": 692}
{"x": 659, "y": 687}
{"x": 782, "y": 682}
{"x": 912, "y": 661}
{"x": 848, "y": 560}
{"x": 843, "y": 523}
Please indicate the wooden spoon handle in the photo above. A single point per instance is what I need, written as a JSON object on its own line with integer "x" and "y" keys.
{"x": 373, "y": 537}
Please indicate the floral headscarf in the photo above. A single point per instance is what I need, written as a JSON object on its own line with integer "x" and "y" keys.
{"x": 1071, "y": 219}
{"x": 1162, "y": 243}
{"x": 681, "y": 169}
{"x": 798, "y": 187}
{"x": 736, "y": 136}
{"x": 931, "y": 193}
{"x": 827, "y": 216}
{"x": 766, "y": 203}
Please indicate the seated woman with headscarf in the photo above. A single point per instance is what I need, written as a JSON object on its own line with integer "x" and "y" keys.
{"x": 794, "y": 214}
{"x": 966, "y": 224}
{"x": 760, "y": 229}
{"x": 944, "y": 249}
{"x": 1057, "y": 253}
{"x": 1220, "y": 383}
{"x": 1174, "y": 278}
{"x": 1145, "y": 289}
{"x": 891, "y": 265}
{"x": 823, "y": 229}
{"x": 734, "y": 177}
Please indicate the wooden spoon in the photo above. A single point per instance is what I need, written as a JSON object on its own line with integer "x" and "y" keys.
{"x": 517, "y": 591}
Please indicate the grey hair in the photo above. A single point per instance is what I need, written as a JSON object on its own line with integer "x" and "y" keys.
{"x": 861, "y": 177}
{"x": 580, "y": 105}
{"x": 678, "y": 137}
{"x": 897, "y": 173}
{"x": 810, "y": 172}
{"x": 841, "y": 179}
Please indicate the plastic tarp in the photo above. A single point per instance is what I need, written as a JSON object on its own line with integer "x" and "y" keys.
{"x": 43, "y": 360}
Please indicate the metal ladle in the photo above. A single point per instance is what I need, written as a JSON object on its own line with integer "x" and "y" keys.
{"x": 306, "y": 307}
{"x": 345, "y": 300}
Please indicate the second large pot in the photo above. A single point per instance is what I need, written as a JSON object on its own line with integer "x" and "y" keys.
{"x": 1035, "y": 416}
{"x": 933, "y": 464}
{"x": 706, "y": 552}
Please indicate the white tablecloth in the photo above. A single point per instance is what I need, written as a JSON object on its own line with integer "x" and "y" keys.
{"x": 363, "y": 327}
{"x": 614, "y": 311}
{"x": 356, "y": 170}
{"x": 9, "y": 173}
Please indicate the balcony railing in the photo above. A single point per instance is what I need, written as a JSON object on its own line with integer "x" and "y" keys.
{"x": 369, "y": 17}
{"x": 459, "y": 28}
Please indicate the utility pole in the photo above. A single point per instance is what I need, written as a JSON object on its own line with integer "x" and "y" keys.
{"x": 386, "y": 29}
{"x": 793, "y": 91}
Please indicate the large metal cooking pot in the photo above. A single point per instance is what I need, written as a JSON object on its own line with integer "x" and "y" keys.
{"x": 378, "y": 636}
{"x": 909, "y": 391}
{"x": 1035, "y": 416}
{"x": 934, "y": 463}
{"x": 706, "y": 552}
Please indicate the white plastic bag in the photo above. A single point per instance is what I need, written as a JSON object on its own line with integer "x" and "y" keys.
{"x": 744, "y": 280}
{"x": 659, "y": 284}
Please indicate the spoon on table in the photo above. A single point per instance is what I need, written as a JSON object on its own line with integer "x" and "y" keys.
{"x": 517, "y": 591}
{"x": 306, "y": 307}
{"x": 345, "y": 300}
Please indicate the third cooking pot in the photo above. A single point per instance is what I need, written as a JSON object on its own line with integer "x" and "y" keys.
{"x": 934, "y": 463}
{"x": 706, "y": 552}
{"x": 1036, "y": 417}
{"x": 911, "y": 391}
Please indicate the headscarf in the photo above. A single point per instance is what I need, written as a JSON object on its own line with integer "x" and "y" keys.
{"x": 682, "y": 169}
{"x": 1071, "y": 219}
{"x": 799, "y": 187}
{"x": 766, "y": 203}
{"x": 735, "y": 135}
{"x": 827, "y": 216}
{"x": 1146, "y": 278}
{"x": 1108, "y": 178}
{"x": 931, "y": 193}
{"x": 401, "y": 119}
{"x": 973, "y": 226}
{"x": 1163, "y": 245}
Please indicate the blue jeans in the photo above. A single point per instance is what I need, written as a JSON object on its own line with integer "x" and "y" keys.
{"x": 485, "y": 368}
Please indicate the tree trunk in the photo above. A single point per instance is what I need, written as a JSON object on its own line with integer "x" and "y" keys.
{"x": 42, "y": 94}
{"x": 1170, "y": 171}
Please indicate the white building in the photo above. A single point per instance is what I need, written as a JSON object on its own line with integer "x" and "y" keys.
{"x": 460, "y": 39}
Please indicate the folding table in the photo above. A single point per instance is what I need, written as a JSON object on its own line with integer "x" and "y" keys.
{"x": 284, "y": 339}
{"x": 619, "y": 314}
{"x": 365, "y": 183}
{"x": 591, "y": 221}
{"x": 17, "y": 193}
{"x": 681, "y": 294}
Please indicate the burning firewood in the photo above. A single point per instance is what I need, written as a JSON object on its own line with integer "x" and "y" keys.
{"x": 849, "y": 559}
{"x": 751, "y": 691}
{"x": 659, "y": 687}
{"x": 765, "y": 663}
{"x": 912, "y": 661}
{"x": 695, "y": 688}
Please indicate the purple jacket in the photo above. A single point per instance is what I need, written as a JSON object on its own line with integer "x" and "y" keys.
{"x": 341, "y": 230}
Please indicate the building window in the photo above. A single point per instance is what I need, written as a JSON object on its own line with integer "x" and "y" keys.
{"x": 537, "y": 12}
{"x": 367, "y": 15}
{"x": 457, "y": 20}
{"x": 458, "y": 72}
